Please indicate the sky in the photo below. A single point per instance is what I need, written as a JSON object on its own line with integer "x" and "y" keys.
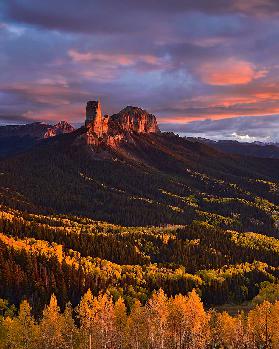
{"x": 206, "y": 68}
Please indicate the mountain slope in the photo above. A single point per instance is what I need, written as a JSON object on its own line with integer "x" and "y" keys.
{"x": 147, "y": 179}
{"x": 123, "y": 209}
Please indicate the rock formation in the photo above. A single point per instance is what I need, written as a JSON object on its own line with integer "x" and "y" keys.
{"x": 133, "y": 119}
{"x": 36, "y": 130}
{"x": 112, "y": 129}
{"x": 60, "y": 128}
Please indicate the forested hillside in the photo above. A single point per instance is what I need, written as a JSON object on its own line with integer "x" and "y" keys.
{"x": 155, "y": 214}
{"x": 41, "y": 255}
{"x": 151, "y": 180}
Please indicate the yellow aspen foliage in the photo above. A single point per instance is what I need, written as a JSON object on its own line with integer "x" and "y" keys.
{"x": 22, "y": 331}
{"x": 103, "y": 331}
{"x": 157, "y": 315}
{"x": 197, "y": 323}
{"x": 137, "y": 327}
{"x": 85, "y": 312}
{"x": 120, "y": 324}
{"x": 230, "y": 331}
{"x": 177, "y": 321}
{"x": 263, "y": 321}
{"x": 52, "y": 327}
{"x": 275, "y": 324}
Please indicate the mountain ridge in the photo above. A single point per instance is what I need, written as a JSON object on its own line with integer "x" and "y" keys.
{"x": 19, "y": 138}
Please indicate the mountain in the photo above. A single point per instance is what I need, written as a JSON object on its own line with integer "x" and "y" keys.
{"x": 121, "y": 208}
{"x": 255, "y": 149}
{"x": 128, "y": 174}
{"x": 17, "y": 138}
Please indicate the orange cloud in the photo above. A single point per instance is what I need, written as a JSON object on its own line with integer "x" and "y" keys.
{"x": 182, "y": 119}
{"x": 230, "y": 72}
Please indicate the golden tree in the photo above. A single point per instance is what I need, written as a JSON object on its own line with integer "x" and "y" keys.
{"x": 53, "y": 328}
{"x": 22, "y": 331}
{"x": 137, "y": 327}
{"x": 157, "y": 316}
{"x": 120, "y": 324}
{"x": 85, "y": 312}
{"x": 197, "y": 323}
{"x": 263, "y": 321}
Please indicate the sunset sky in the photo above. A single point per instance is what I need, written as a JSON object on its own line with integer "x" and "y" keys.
{"x": 203, "y": 67}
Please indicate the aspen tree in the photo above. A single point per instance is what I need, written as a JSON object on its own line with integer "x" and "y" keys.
{"x": 177, "y": 321}
{"x": 22, "y": 331}
{"x": 85, "y": 312}
{"x": 51, "y": 327}
{"x": 120, "y": 324}
{"x": 275, "y": 324}
{"x": 103, "y": 321}
{"x": 138, "y": 327}
{"x": 260, "y": 320}
{"x": 157, "y": 308}
{"x": 197, "y": 324}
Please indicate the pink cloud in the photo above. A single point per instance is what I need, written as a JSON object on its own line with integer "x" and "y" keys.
{"x": 230, "y": 72}
{"x": 70, "y": 113}
{"x": 112, "y": 58}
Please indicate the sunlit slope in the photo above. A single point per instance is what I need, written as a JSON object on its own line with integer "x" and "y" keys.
{"x": 156, "y": 179}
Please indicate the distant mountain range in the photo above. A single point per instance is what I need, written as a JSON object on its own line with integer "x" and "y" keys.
{"x": 18, "y": 138}
{"x": 255, "y": 149}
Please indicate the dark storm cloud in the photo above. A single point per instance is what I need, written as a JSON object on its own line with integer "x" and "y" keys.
{"x": 110, "y": 15}
{"x": 182, "y": 60}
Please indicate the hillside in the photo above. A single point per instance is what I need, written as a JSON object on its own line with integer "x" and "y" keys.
{"x": 77, "y": 254}
{"x": 152, "y": 179}
{"x": 118, "y": 206}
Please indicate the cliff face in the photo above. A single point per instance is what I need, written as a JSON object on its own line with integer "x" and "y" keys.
{"x": 133, "y": 119}
{"x": 111, "y": 130}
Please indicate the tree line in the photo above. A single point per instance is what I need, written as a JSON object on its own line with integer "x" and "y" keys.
{"x": 179, "y": 322}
